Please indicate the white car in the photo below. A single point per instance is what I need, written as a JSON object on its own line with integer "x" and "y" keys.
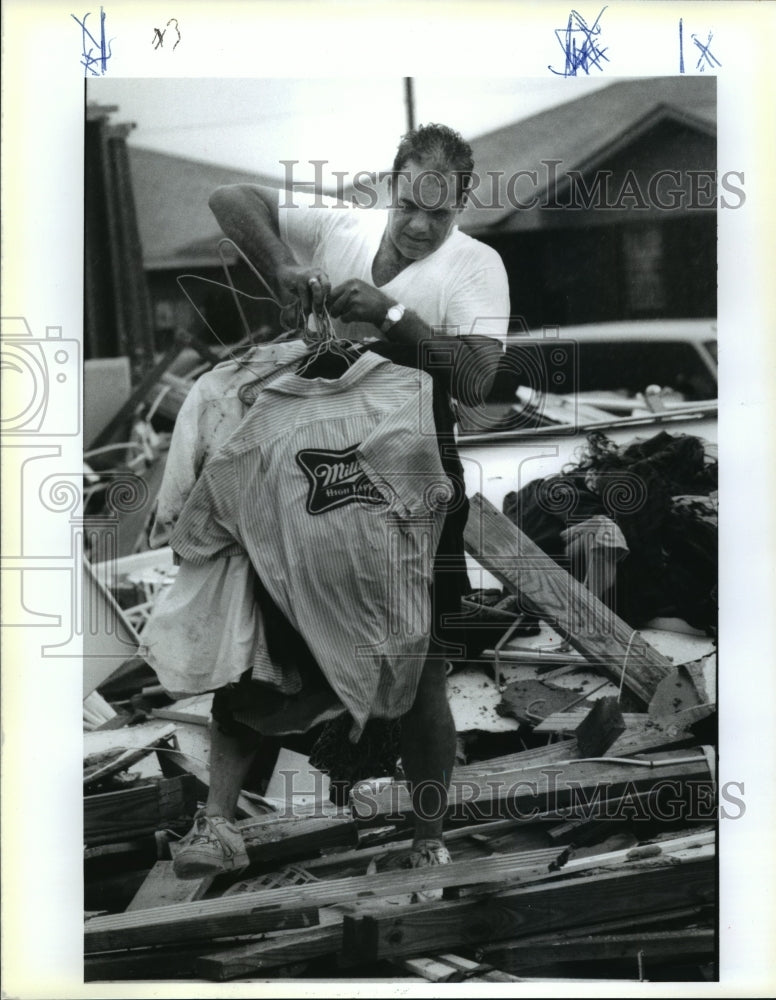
{"x": 628, "y": 380}
{"x": 595, "y": 370}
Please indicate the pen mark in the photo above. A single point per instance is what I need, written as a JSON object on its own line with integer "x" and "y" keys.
{"x": 707, "y": 57}
{"x": 158, "y": 40}
{"x": 580, "y": 45}
{"x": 94, "y": 64}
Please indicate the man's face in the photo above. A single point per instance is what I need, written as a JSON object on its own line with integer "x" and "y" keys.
{"x": 424, "y": 210}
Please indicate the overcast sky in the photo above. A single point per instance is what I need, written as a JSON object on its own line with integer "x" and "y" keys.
{"x": 353, "y": 123}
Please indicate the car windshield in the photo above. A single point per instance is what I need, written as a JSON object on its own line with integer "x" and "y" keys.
{"x": 545, "y": 382}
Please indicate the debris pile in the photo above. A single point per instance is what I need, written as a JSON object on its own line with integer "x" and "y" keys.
{"x": 581, "y": 820}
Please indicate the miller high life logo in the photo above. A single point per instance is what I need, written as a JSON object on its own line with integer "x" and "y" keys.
{"x": 336, "y": 479}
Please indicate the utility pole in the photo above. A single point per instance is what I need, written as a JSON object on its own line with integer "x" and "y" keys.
{"x": 409, "y": 100}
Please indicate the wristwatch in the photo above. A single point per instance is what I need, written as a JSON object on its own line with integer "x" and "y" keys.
{"x": 392, "y": 317}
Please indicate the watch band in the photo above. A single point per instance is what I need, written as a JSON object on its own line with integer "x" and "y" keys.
{"x": 392, "y": 317}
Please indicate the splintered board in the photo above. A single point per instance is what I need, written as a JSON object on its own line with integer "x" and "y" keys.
{"x": 545, "y": 588}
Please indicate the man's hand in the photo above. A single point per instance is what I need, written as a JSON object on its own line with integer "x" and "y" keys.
{"x": 310, "y": 285}
{"x": 356, "y": 301}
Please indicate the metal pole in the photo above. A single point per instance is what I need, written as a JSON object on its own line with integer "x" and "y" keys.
{"x": 409, "y": 100}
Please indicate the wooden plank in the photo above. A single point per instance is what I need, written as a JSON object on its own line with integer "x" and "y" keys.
{"x": 600, "y": 728}
{"x": 569, "y": 722}
{"x": 97, "y": 709}
{"x": 651, "y": 735}
{"x": 134, "y": 811}
{"x": 108, "y": 752}
{"x": 249, "y": 912}
{"x": 651, "y": 945}
{"x": 163, "y": 888}
{"x": 541, "y": 791}
{"x": 642, "y": 732}
{"x": 677, "y": 850}
{"x": 455, "y": 969}
{"x": 275, "y": 838}
{"x": 273, "y": 950}
{"x": 195, "y": 710}
{"x": 546, "y": 588}
{"x": 636, "y": 922}
{"x": 562, "y": 750}
{"x": 431, "y": 928}
{"x": 271, "y": 909}
{"x": 141, "y": 963}
{"x": 388, "y": 855}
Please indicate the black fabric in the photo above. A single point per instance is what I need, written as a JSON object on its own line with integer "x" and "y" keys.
{"x": 671, "y": 569}
{"x": 451, "y": 580}
{"x": 375, "y": 755}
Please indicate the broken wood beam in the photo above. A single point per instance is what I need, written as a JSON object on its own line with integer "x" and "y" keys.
{"x": 274, "y": 949}
{"x": 600, "y": 728}
{"x": 135, "y": 811}
{"x": 652, "y": 946}
{"x": 108, "y": 752}
{"x": 545, "y": 588}
{"x": 643, "y": 732}
{"x": 562, "y": 750}
{"x": 294, "y": 906}
{"x": 570, "y": 720}
{"x": 141, "y": 963}
{"x": 356, "y": 862}
{"x": 550, "y": 790}
{"x": 163, "y": 888}
{"x": 431, "y": 928}
{"x": 273, "y": 838}
{"x": 637, "y": 922}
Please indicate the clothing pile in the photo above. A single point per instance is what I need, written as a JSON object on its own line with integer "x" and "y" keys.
{"x": 660, "y": 499}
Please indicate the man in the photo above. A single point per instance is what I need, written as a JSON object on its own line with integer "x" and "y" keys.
{"x": 400, "y": 278}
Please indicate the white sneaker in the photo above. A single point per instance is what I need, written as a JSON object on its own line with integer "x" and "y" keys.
{"x": 211, "y": 847}
{"x": 427, "y": 853}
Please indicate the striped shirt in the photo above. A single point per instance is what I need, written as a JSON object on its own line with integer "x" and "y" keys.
{"x": 335, "y": 489}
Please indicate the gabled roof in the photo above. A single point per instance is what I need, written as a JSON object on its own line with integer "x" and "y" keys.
{"x": 171, "y": 199}
{"x": 177, "y": 229}
{"x": 583, "y": 132}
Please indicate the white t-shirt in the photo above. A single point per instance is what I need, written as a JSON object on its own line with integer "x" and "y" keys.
{"x": 461, "y": 287}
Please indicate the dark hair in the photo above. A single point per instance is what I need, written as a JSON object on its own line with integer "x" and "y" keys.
{"x": 447, "y": 150}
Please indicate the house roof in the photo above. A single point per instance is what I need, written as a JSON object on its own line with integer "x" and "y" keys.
{"x": 171, "y": 193}
{"x": 583, "y": 132}
{"x": 177, "y": 229}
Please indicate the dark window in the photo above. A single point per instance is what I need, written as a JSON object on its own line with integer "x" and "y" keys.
{"x": 600, "y": 366}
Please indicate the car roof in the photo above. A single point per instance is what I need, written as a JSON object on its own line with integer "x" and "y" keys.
{"x": 697, "y": 330}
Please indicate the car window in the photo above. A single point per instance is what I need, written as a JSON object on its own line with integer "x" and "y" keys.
{"x": 626, "y": 367}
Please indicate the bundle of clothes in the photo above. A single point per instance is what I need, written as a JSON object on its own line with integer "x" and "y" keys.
{"x": 658, "y": 499}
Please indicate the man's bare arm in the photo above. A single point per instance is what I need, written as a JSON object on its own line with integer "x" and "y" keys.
{"x": 470, "y": 361}
{"x": 248, "y": 215}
